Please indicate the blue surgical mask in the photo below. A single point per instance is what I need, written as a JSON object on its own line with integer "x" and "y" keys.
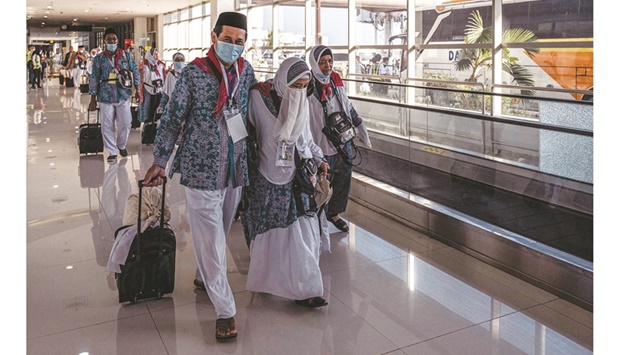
{"x": 111, "y": 46}
{"x": 321, "y": 76}
{"x": 178, "y": 66}
{"x": 228, "y": 52}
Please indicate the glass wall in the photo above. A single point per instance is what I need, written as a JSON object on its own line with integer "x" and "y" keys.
{"x": 435, "y": 53}
{"x": 187, "y": 31}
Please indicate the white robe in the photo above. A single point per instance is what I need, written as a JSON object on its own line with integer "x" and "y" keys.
{"x": 284, "y": 261}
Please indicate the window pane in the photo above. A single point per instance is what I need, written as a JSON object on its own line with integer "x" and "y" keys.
{"x": 195, "y": 31}
{"x": 197, "y": 11}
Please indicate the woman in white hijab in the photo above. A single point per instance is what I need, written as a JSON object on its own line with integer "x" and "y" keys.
{"x": 178, "y": 63}
{"x": 284, "y": 242}
{"x": 152, "y": 76}
{"x": 329, "y": 99}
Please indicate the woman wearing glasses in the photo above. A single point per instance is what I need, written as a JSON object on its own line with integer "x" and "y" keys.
{"x": 282, "y": 231}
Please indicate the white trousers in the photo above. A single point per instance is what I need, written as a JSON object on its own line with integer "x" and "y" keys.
{"x": 76, "y": 73}
{"x": 115, "y": 121}
{"x": 211, "y": 214}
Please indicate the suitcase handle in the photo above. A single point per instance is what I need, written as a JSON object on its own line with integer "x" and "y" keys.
{"x": 88, "y": 116}
{"x": 161, "y": 216}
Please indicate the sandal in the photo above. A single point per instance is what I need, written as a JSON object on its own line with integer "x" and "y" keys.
{"x": 225, "y": 328}
{"x": 339, "y": 223}
{"x": 312, "y": 302}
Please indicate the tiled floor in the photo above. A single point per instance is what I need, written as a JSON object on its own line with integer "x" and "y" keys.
{"x": 391, "y": 290}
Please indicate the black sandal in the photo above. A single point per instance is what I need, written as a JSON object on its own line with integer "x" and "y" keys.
{"x": 224, "y": 326}
{"x": 312, "y": 302}
{"x": 339, "y": 223}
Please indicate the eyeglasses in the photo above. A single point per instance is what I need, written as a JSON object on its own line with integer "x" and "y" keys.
{"x": 111, "y": 39}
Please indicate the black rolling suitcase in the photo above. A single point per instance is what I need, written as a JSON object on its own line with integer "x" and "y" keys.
{"x": 61, "y": 79}
{"x": 149, "y": 130}
{"x": 134, "y": 114}
{"x": 90, "y": 139}
{"x": 149, "y": 269}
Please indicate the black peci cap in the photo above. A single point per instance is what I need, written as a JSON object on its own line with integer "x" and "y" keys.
{"x": 109, "y": 30}
{"x": 233, "y": 19}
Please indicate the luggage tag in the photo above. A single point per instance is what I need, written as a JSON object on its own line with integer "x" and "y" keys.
{"x": 285, "y": 154}
{"x": 234, "y": 122}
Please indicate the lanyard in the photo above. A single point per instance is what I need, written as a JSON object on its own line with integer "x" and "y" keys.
{"x": 231, "y": 95}
{"x": 116, "y": 63}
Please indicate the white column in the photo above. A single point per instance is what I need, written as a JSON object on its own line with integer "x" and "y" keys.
{"x": 140, "y": 36}
{"x": 308, "y": 28}
{"x": 276, "y": 35}
{"x": 411, "y": 41}
{"x": 351, "y": 42}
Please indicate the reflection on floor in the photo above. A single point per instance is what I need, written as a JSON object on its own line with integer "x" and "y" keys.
{"x": 390, "y": 289}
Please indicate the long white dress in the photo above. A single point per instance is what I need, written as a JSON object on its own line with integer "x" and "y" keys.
{"x": 284, "y": 247}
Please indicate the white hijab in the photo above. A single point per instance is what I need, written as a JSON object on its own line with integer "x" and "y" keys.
{"x": 315, "y": 55}
{"x": 293, "y": 115}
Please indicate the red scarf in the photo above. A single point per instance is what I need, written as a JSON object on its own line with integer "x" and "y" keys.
{"x": 117, "y": 57}
{"x": 154, "y": 67}
{"x": 327, "y": 88}
{"x": 223, "y": 94}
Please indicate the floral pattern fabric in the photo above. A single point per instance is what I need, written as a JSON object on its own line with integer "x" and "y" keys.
{"x": 109, "y": 91}
{"x": 270, "y": 206}
{"x": 206, "y": 157}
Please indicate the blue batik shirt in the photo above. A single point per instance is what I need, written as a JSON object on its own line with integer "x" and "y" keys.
{"x": 108, "y": 91}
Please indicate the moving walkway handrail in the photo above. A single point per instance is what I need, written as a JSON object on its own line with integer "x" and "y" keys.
{"x": 482, "y": 117}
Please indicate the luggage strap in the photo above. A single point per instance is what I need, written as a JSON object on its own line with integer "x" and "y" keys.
{"x": 161, "y": 217}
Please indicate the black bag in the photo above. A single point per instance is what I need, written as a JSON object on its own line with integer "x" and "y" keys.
{"x": 149, "y": 269}
{"x": 69, "y": 82}
{"x": 338, "y": 128}
{"x": 90, "y": 139}
{"x": 149, "y": 130}
{"x": 84, "y": 84}
{"x": 303, "y": 188}
{"x": 61, "y": 79}
{"x": 91, "y": 170}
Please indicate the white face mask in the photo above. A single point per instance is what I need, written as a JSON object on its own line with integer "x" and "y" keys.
{"x": 293, "y": 115}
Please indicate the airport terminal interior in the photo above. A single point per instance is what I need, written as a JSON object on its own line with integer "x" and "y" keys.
{"x": 471, "y": 228}
{"x": 391, "y": 289}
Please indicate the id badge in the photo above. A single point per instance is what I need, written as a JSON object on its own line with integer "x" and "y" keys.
{"x": 285, "y": 154}
{"x": 234, "y": 122}
{"x": 112, "y": 76}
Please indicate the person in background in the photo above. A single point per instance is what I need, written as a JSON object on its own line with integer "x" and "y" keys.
{"x": 109, "y": 88}
{"x": 384, "y": 69}
{"x": 36, "y": 69}
{"x": 285, "y": 244}
{"x": 43, "y": 67}
{"x": 29, "y": 64}
{"x": 80, "y": 65}
{"x": 152, "y": 75}
{"x": 69, "y": 63}
{"x": 331, "y": 97}
{"x": 210, "y": 102}
{"x": 89, "y": 62}
{"x": 178, "y": 63}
